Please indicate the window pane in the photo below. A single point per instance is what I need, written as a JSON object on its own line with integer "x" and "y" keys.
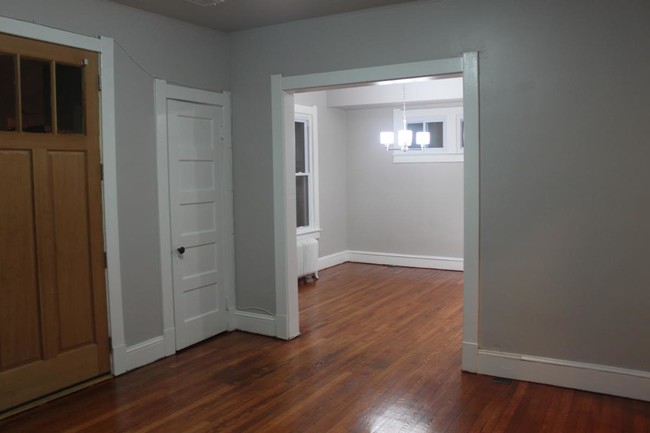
{"x": 437, "y": 139}
{"x": 415, "y": 127}
{"x": 69, "y": 99}
{"x": 36, "y": 91}
{"x": 462, "y": 134}
{"x": 7, "y": 93}
{"x": 302, "y": 201}
{"x": 301, "y": 154}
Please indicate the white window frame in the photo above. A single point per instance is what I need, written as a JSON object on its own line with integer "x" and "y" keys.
{"x": 451, "y": 120}
{"x": 309, "y": 115}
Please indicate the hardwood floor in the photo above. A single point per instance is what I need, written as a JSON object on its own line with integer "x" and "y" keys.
{"x": 379, "y": 352}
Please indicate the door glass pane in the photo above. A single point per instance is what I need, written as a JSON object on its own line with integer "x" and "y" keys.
{"x": 7, "y": 93}
{"x": 435, "y": 129}
{"x": 301, "y": 154}
{"x": 36, "y": 92}
{"x": 69, "y": 99}
{"x": 302, "y": 201}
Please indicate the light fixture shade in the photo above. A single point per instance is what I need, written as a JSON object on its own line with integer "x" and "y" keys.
{"x": 404, "y": 138}
{"x": 386, "y": 138}
{"x": 422, "y": 138}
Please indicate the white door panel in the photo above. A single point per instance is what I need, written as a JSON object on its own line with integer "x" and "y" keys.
{"x": 196, "y": 145}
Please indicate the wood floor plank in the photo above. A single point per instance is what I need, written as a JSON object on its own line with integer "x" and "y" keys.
{"x": 379, "y": 351}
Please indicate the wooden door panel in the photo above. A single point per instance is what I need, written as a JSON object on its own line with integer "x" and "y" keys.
{"x": 20, "y": 337}
{"x": 45, "y": 376}
{"x": 53, "y": 313}
{"x": 67, "y": 172}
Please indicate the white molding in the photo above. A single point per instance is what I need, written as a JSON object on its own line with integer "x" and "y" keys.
{"x": 311, "y": 233}
{"x": 282, "y": 327}
{"x": 164, "y": 224}
{"x": 332, "y": 260}
{"x": 589, "y": 377}
{"x": 284, "y": 182}
{"x": 164, "y": 91}
{"x": 391, "y": 259}
{"x": 145, "y": 353}
{"x": 406, "y": 260}
{"x": 471, "y": 201}
{"x": 284, "y": 211}
{"x": 411, "y": 157}
{"x": 105, "y": 47}
{"x": 452, "y": 65}
{"x": 111, "y": 218}
{"x": 48, "y": 34}
{"x": 170, "y": 341}
{"x": 119, "y": 359}
{"x": 255, "y": 323}
{"x": 469, "y": 360}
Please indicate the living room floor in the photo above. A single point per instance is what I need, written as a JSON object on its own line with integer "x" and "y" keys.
{"x": 379, "y": 351}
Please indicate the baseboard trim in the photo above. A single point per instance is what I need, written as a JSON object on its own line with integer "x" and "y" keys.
{"x": 589, "y": 377}
{"x": 255, "y": 323}
{"x": 332, "y": 260}
{"x": 407, "y": 260}
{"x": 145, "y": 353}
{"x": 391, "y": 259}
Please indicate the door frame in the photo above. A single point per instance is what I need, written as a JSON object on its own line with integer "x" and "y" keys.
{"x": 105, "y": 48}
{"x": 282, "y": 89}
{"x": 163, "y": 92}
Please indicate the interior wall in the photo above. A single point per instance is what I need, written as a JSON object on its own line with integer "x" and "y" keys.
{"x": 332, "y": 172}
{"x": 563, "y": 203}
{"x": 171, "y": 50}
{"x": 414, "y": 208}
{"x": 367, "y": 202}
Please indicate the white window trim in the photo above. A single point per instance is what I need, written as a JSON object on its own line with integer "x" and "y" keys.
{"x": 450, "y": 117}
{"x": 309, "y": 114}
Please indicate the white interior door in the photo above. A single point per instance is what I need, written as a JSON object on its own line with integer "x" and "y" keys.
{"x": 197, "y": 193}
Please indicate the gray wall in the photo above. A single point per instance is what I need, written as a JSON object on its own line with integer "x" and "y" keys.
{"x": 414, "y": 208}
{"x": 171, "y": 50}
{"x": 332, "y": 172}
{"x": 564, "y": 203}
{"x": 369, "y": 203}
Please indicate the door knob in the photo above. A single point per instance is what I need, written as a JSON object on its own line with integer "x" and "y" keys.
{"x": 181, "y": 250}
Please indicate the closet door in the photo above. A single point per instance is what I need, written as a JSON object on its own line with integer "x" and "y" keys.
{"x": 53, "y": 320}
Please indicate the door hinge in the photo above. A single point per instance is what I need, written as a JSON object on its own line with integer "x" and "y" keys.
{"x": 110, "y": 344}
{"x": 105, "y": 260}
{"x": 99, "y": 82}
{"x": 101, "y": 172}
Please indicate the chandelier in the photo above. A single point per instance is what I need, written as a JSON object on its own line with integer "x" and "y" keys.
{"x": 404, "y": 135}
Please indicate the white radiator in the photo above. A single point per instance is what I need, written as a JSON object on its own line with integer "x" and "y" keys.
{"x": 307, "y": 257}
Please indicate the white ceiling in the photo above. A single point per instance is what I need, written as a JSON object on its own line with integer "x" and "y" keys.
{"x": 234, "y": 15}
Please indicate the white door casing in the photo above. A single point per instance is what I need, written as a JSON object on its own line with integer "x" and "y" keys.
{"x": 282, "y": 89}
{"x": 195, "y": 193}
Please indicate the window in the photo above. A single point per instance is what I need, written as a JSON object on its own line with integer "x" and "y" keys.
{"x": 445, "y": 126}
{"x": 306, "y": 171}
{"x": 41, "y": 96}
